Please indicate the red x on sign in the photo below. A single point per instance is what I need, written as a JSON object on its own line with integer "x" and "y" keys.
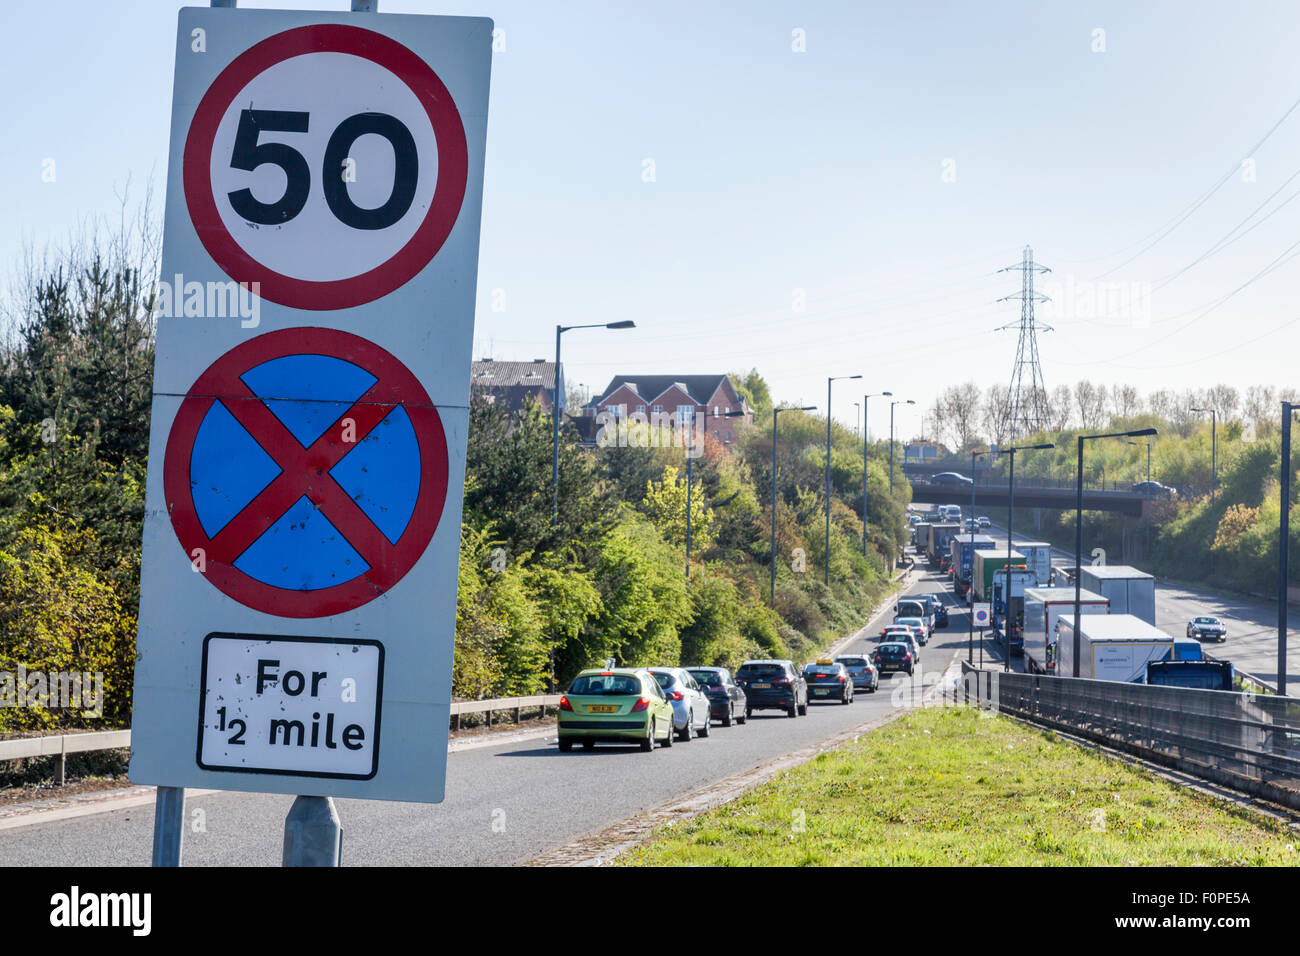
{"x": 253, "y": 483}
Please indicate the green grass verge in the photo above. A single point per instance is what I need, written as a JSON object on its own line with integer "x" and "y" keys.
{"x": 948, "y": 786}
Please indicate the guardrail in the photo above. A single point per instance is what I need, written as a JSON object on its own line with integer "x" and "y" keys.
{"x": 61, "y": 745}
{"x": 1247, "y": 741}
{"x": 517, "y": 704}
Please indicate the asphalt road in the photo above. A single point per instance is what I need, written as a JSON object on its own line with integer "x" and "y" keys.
{"x": 505, "y": 804}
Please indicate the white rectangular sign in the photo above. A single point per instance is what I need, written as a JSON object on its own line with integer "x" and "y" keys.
{"x": 305, "y": 706}
{"x": 311, "y": 402}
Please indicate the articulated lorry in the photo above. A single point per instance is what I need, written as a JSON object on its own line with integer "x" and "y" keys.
{"x": 1043, "y": 608}
{"x": 1009, "y": 611}
{"x": 1038, "y": 558}
{"x": 1112, "y": 646}
{"x": 963, "y": 551}
{"x": 1129, "y": 590}
{"x": 983, "y": 566}
{"x": 940, "y": 539}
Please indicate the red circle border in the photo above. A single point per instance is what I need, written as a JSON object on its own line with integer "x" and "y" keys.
{"x": 448, "y": 194}
{"x": 403, "y": 388}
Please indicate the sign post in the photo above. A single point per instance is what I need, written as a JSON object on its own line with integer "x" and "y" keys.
{"x": 315, "y": 323}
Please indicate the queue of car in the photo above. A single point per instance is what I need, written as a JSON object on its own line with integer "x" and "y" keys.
{"x": 653, "y": 706}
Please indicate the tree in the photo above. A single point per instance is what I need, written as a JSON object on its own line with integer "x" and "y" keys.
{"x": 957, "y": 415}
{"x": 666, "y": 505}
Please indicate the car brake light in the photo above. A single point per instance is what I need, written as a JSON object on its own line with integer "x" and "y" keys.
{"x": 640, "y": 705}
{"x": 565, "y": 705}
{"x": 907, "y": 656}
{"x": 840, "y": 679}
{"x": 782, "y": 682}
{"x": 676, "y": 695}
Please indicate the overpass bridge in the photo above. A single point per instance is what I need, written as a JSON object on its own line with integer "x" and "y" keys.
{"x": 1058, "y": 494}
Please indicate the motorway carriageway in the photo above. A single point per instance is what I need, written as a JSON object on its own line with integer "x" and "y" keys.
{"x": 505, "y": 803}
{"x": 1251, "y": 622}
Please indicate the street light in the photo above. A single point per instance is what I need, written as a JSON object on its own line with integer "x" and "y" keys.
{"x": 970, "y": 586}
{"x": 555, "y": 410}
{"x": 1011, "y": 500}
{"x": 1078, "y": 528}
{"x": 1284, "y": 545}
{"x": 1146, "y": 516}
{"x": 690, "y": 457}
{"x": 776, "y": 412}
{"x": 828, "y": 469}
{"x": 864, "y": 465}
{"x": 1214, "y": 473}
{"x": 891, "y": 440}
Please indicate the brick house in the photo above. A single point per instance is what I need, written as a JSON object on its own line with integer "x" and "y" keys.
{"x": 710, "y": 396}
{"x": 513, "y": 382}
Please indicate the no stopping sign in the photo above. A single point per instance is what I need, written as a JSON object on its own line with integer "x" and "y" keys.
{"x": 327, "y": 164}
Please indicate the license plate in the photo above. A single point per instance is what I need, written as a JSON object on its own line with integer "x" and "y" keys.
{"x": 762, "y": 687}
{"x": 819, "y": 691}
{"x": 601, "y": 708}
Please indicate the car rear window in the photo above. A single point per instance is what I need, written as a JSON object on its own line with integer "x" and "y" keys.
{"x": 707, "y": 678}
{"x": 664, "y": 679}
{"x": 602, "y": 684}
{"x": 822, "y": 670}
{"x": 761, "y": 670}
{"x": 893, "y": 650}
{"x": 852, "y": 661}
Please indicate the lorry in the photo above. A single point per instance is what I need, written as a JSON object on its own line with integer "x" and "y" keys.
{"x": 1043, "y": 608}
{"x": 1009, "y": 611}
{"x": 986, "y": 562}
{"x": 963, "y": 551}
{"x": 941, "y": 535}
{"x": 1114, "y": 647}
{"x": 920, "y": 535}
{"x": 1129, "y": 590}
{"x": 1038, "y": 558}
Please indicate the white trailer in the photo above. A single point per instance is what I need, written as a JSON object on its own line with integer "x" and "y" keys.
{"x": 1038, "y": 558}
{"x": 1129, "y": 590}
{"x": 1111, "y": 647}
{"x": 1043, "y": 608}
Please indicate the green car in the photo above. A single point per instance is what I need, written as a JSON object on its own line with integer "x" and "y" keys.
{"x": 623, "y": 705}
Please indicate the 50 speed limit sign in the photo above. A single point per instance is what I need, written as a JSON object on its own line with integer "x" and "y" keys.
{"x": 328, "y": 164}
{"x": 307, "y": 444}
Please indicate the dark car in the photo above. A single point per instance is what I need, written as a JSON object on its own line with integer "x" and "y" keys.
{"x": 893, "y": 656}
{"x": 939, "y": 609}
{"x": 773, "y": 685}
{"x": 1153, "y": 489}
{"x": 828, "y": 680}
{"x": 1207, "y": 629}
{"x": 726, "y": 699}
{"x": 862, "y": 672}
{"x": 951, "y": 479}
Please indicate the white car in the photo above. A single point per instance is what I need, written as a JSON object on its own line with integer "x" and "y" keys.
{"x": 984, "y": 522}
{"x": 690, "y": 703}
{"x": 918, "y": 626}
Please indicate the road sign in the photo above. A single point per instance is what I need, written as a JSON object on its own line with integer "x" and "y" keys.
{"x": 983, "y": 614}
{"x": 302, "y": 519}
{"x": 314, "y": 507}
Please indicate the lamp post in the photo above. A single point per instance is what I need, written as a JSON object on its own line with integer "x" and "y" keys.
{"x": 555, "y": 410}
{"x": 857, "y": 417}
{"x": 891, "y": 440}
{"x": 1284, "y": 545}
{"x": 776, "y": 412}
{"x": 970, "y": 587}
{"x": 828, "y": 470}
{"x": 1146, "y": 516}
{"x": 864, "y": 465}
{"x": 690, "y": 457}
{"x": 1214, "y": 472}
{"x": 1078, "y": 529}
{"x": 1011, "y": 501}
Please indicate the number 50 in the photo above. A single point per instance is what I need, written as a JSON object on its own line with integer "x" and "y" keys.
{"x": 248, "y": 154}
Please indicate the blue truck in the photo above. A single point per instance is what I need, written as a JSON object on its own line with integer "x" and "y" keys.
{"x": 964, "y": 547}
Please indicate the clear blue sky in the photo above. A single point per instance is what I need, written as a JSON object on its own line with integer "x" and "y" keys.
{"x": 777, "y": 171}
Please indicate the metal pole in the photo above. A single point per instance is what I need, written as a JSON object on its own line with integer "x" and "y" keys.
{"x": 312, "y": 833}
{"x": 828, "y": 481}
{"x": 864, "y": 475}
{"x": 1006, "y": 581}
{"x": 555, "y": 430}
{"x": 891, "y": 448}
{"x": 772, "y": 591}
{"x": 168, "y": 826}
{"x": 1214, "y": 479}
{"x": 1078, "y": 557}
{"x": 690, "y": 457}
{"x": 224, "y": 3}
{"x": 365, "y": 6}
{"x": 970, "y": 585}
{"x": 1284, "y": 548}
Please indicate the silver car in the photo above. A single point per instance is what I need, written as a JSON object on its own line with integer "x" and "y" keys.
{"x": 690, "y": 703}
